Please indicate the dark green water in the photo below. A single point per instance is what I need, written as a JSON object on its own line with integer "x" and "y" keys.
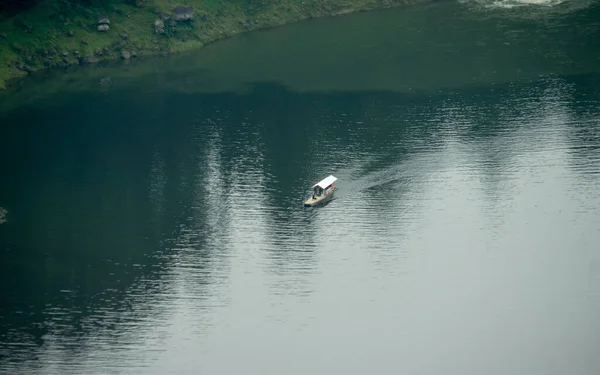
{"x": 155, "y": 221}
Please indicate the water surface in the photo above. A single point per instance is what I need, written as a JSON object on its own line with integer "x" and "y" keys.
{"x": 156, "y": 224}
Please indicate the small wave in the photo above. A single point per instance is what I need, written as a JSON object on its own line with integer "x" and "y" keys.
{"x": 507, "y": 4}
{"x": 526, "y": 8}
{"x": 521, "y": 3}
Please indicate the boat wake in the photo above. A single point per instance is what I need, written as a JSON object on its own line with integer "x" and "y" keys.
{"x": 375, "y": 179}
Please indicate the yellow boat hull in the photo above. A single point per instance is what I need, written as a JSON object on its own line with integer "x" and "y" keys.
{"x": 312, "y": 202}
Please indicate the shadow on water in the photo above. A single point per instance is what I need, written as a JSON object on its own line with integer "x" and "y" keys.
{"x": 125, "y": 205}
{"x": 84, "y": 250}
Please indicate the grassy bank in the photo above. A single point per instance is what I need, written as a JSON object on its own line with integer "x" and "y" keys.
{"x": 61, "y": 33}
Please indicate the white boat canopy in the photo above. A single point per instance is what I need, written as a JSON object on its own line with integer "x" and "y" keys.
{"x": 326, "y": 182}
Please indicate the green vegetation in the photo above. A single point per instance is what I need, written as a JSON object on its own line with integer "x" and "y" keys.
{"x": 62, "y": 33}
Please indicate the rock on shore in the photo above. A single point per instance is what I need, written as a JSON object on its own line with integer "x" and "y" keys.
{"x": 183, "y": 13}
{"x": 3, "y": 213}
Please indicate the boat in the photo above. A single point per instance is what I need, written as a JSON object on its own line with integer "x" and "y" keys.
{"x": 323, "y": 191}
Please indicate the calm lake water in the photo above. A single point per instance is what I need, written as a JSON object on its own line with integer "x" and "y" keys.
{"x": 155, "y": 221}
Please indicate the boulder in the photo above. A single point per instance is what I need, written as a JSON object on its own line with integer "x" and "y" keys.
{"x": 159, "y": 26}
{"x": 103, "y": 21}
{"x": 183, "y": 13}
{"x": 103, "y": 27}
{"x": 3, "y": 212}
{"x": 126, "y": 55}
{"x": 24, "y": 68}
{"x": 90, "y": 60}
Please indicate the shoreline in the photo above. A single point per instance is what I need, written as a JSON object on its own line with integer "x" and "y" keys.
{"x": 50, "y": 37}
